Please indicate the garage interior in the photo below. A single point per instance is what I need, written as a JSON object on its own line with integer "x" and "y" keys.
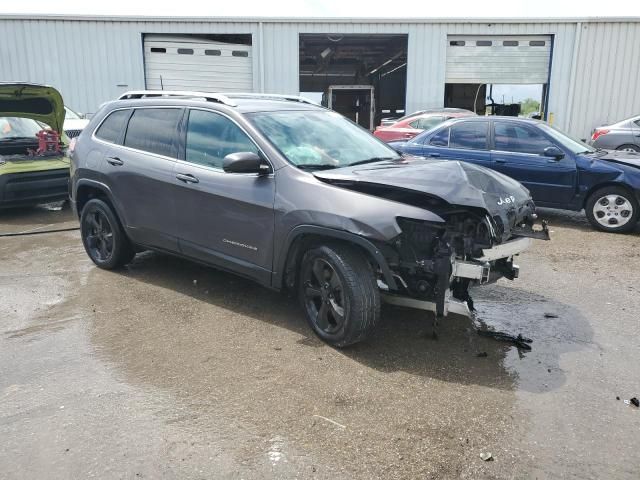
{"x": 480, "y": 69}
{"x": 363, "y": 77}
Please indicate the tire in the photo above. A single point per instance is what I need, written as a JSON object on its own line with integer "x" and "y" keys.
{"x": 102, "y": 235}
{"x": 612, "y": 209}
{"x": 629, "y": 147}
{"x": 348, "y": 285}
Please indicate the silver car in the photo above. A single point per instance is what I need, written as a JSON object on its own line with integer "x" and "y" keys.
{"x": 624, "y": 135}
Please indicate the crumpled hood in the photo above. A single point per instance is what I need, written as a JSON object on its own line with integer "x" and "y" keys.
{"x": 626, "y": 158}
{"x": 38, "y": 102}
{"x": 457, "y": 183}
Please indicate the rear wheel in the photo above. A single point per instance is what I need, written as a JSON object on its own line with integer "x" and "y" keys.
{"x": 102, "y": 236}
{"x": 612, "y": 209}
{"x": 629, "y": 147}
{"x": 339, "y": 294}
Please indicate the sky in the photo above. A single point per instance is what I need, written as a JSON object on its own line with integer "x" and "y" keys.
{"x": 331, "y": 8}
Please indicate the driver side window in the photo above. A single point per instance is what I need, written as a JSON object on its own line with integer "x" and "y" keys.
{"x": 510, "y": 137}
{"x": 211, "y": 137}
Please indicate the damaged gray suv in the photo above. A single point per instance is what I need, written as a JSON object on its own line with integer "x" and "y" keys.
{"x": 294, "y": 196}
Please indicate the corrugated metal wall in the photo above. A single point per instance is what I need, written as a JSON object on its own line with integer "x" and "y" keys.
{"x": 92, "y": 61}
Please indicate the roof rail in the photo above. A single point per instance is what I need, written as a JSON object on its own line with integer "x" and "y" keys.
{"x": 272, "y": 96}
{"x": 210, "y": 97}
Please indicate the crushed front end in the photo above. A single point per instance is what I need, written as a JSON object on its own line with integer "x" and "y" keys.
{"x": 435, "y": 264}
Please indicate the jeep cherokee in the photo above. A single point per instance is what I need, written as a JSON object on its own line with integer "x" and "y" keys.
{"x": 295, "y": 196}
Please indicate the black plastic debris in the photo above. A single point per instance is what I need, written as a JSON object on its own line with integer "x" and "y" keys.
{"x": 550, "y": 315}
{"x": 519, "y": 341}
{"x": 634, "y": 401}
{"x": 482, "y": 354}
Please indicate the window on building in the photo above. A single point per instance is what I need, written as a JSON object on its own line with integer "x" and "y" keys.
{"x": 185, "y": 51}
{"x": 240, "y": 53}
{"x": 213, "y": 53}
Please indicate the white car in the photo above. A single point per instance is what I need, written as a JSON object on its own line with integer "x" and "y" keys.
{"x": 73, "y": 122}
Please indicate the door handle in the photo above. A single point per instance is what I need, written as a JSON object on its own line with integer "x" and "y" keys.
{"x": 187, "y": 178}
{"x": 434, "y": 154}
{"x": 500, "y": 160}
{"x": 115, "y": 161}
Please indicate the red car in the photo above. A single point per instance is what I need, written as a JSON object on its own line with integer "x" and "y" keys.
{"x": 411, "y": 125}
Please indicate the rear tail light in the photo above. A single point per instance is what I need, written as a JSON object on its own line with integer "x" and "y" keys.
{"x": 598, "y": 133}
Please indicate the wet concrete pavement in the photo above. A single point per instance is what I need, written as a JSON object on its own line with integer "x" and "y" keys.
{"x": 167, "y": 369}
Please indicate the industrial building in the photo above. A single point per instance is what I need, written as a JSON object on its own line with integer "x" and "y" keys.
{"x": 584, "y": 72}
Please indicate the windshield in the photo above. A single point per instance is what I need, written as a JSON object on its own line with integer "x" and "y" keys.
{"x": 320, "y": 139}
{"x": 17, "y": 127}
{"x": 575, "y": 146}
{"x": 70, "y": 114}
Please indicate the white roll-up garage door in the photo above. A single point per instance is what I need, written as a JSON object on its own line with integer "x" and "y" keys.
{"x": 184, "y": 63}
{"x": 498, "y": 59}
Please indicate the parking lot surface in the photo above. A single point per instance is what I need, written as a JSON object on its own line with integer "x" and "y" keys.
{"x": 167, "y": 369}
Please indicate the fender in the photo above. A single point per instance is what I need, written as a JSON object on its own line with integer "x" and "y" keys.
{"x": 86, "y": 182}
{"x": 278, "y": 274}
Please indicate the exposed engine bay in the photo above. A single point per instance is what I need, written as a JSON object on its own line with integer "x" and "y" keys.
{"x": 434, "y": 261}
{"x": 46, "y": 143}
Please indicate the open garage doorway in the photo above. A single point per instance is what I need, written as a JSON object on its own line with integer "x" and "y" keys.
{"x": 499, "y": 75}
{"x": 364, "y": 77}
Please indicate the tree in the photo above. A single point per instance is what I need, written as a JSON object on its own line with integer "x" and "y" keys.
{"x": 528, "y": 106}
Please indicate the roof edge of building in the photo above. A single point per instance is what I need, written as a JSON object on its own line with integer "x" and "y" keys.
{"x": 253, "y": 20}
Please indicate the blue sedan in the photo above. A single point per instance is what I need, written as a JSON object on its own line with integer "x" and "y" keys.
{"x": 560, "y": 172}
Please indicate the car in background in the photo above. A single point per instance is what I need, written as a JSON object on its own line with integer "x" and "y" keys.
{"x": 623, "y": 135}
{"x": 560, "y": 172}
{"x": 411, "y": 125}
{"x": 34, "y": 167}
{"x": 74, "y": 122}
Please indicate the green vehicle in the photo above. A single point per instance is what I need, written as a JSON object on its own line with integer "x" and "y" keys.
{"x": 34, "y": 167}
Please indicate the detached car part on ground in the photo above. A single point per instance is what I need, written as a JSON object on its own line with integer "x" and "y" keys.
{"x": 33, "y": 165}
{"x": 294, "y": 196}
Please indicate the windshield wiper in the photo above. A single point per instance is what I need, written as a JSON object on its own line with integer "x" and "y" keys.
{"x": 316, "y": 166}
{"x": 372, "y": 160}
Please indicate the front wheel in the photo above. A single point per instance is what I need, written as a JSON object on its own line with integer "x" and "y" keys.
{"x": 612, "y": 209}
{"x": 339, "y": 294}
{"x": 629, "y": 147}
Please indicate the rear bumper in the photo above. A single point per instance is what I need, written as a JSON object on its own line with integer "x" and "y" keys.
{"x": 30, "y": 188}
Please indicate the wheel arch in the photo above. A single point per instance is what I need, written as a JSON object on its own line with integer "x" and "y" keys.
{"x": 303, "y": 236}
{"x": 597, "y": 187}
{"x": 88, "y": 189}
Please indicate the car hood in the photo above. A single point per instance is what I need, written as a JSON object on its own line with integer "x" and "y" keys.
{"x": 454, "y": 182}
{"x": 38, "y": 102}
{"x": 625, "y": 158}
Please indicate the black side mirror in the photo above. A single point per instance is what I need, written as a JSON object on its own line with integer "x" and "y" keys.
{"x": 245, "y": 162}
{"x": 554, "y": 152}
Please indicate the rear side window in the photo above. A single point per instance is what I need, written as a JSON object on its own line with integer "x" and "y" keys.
{"x": 211, "y": 137}
{"x": 113, "y": 126}
{"x": 510, "y": 137}
{"x": 154, "y": 130}
{"x": 440, "y": 139}
{"x": 469, "y": 135}
{"x": 425, "y": 123}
